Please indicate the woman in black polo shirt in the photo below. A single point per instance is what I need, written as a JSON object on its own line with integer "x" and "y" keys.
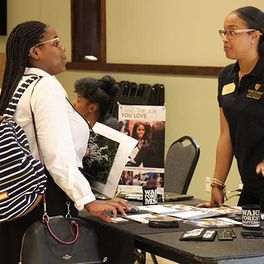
{"x": 241, "y": 101}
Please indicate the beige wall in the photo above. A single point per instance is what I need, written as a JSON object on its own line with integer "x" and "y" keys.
{"x": 157, "y": 32}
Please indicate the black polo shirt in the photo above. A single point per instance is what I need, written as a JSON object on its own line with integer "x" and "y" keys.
{"x": 243, "y": 106}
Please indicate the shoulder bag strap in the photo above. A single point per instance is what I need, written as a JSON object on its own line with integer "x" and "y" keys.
{"x": 11, "y": 108}
{"x": 33, "y": 119}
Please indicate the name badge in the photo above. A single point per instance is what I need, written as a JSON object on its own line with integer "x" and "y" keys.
{"x": 228, "y": 88}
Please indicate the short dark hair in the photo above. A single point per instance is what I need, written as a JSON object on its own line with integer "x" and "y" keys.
{"x": 101, "y": 92}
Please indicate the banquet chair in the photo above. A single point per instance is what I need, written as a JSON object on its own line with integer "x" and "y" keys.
{"x": 180, "y": 163}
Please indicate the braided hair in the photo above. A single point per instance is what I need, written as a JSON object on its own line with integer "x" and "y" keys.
{"x": 101, "y": 92}
{"x": 21, "y": 39}
{"x": 254, "y": 18}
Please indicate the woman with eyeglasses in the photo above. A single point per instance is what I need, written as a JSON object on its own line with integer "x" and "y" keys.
{"x": 33, "y": 48}
{"x": 241, "y": 102}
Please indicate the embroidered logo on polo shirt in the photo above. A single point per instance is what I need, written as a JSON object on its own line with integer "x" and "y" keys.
{"x": 254, "y": 93}
{"x": 257, "y": 86}
{"x": 228, "y": 88}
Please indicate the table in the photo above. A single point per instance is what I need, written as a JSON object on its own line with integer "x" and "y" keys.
{"x": 117, "y": 241}
{"x": 238, "y": 251}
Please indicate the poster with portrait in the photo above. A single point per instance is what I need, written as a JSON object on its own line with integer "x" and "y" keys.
{"x": 107, "y": 155}
{"x": 145, "y": 165}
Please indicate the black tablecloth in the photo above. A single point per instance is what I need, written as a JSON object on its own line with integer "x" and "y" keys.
{"x": 117, "y": 240}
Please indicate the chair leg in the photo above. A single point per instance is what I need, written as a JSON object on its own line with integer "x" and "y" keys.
{"x": 154, "y": 259}
{"x": 140, "y": 256}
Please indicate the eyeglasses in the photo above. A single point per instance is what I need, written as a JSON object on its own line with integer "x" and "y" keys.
{"x": 55, "y": 42}
{"x": 233, "y": 32}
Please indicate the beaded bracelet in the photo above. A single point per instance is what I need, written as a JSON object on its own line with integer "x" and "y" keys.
{"x": 214, "y": 180}
{"x": 219, "y": 185}
{"x": 214, "y": 185}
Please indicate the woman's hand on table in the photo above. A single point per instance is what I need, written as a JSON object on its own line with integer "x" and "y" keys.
{"x": 107, "y": 209}
{"x": 217, "y": 199}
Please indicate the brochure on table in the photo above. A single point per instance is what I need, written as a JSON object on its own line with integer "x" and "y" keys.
{"x": 144, "y": 218}
{"x": 216, "y": 222}
{"x": 203, "y": 217}
{"x": 188, "y": 212}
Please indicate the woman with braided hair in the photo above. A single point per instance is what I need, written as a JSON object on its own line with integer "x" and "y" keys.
{"x": 34, "y": 48}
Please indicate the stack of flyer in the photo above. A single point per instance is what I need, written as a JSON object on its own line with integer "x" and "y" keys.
{"x": 204, "y": 217}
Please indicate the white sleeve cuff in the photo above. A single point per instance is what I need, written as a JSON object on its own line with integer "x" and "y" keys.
{"x": 81, "y": 202}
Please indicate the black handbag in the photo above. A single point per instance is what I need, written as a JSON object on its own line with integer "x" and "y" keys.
{"x": 60, "y": 240}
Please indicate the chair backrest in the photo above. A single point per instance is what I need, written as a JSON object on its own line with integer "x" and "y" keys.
{"x": 180, "y": 163}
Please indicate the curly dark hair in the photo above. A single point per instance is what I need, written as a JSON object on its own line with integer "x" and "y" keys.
{"x": 101, "y": 92}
